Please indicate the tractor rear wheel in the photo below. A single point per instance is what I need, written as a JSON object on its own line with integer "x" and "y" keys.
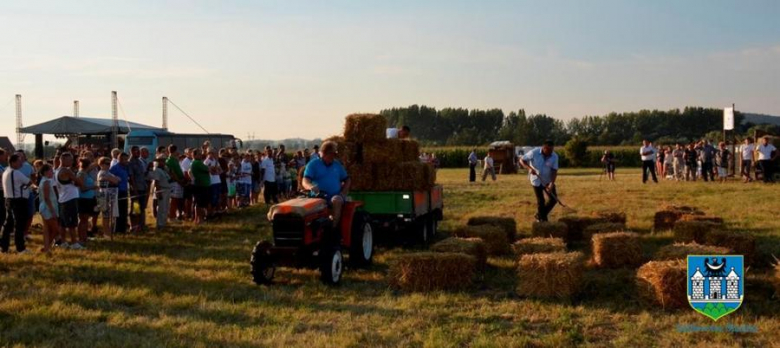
{"x": 361, "y": 249}
{"x": 331, "y": 265}
{"x": 263, "y": 268}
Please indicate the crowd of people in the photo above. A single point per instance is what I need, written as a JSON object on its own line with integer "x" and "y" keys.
{"x": 81, "y": 184}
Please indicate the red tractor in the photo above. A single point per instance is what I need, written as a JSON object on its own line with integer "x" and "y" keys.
{"x": 304, "y": 237}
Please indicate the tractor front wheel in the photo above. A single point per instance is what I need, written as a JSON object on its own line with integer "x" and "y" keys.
{"x": 263, "y": 268}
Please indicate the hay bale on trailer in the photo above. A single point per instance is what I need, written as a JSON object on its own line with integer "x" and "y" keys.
{"x": 617, "y": 249}
{"x": 693, "y": 231}
{"x": 550, "y": 229}
{"x": 494, "y": 237}
{"x": 605, "y": 227}
{"x": 616, "y": 217}
{"x": 578, "y": 224}
{"x": 469, "y": 246}
{"x": 365, "y": 128}
{"x": 429, "y": 271}
{"x": 347, "y": 151}
{"x": 680, "y": 251}
{"x": 539, "y": 245}
{"x": 410, "y": 149}
{"x": 663, "y": 283}
{"x": 552, "y": 275}
{"x": 740, "y": 242}
{"x": 507, "y": 223}
{"x": 363, "y": 177}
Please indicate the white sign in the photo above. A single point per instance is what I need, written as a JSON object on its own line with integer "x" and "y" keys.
{"x": 728, "y": 118}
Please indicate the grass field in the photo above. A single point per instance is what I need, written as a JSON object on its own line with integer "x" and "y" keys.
{"x": 190, "y": 287}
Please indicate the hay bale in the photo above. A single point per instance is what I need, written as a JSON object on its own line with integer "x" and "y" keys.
{"x": 429, "y": 175}
{"x": 617, "y": 249}
{"x": 666, "y": 217}
{"x": 741, "y": 243}
{"x": 383, "y": 152}
{"x": 469, "y": 246}
{"x": 362, "y": 177}
{"x": 706, "y": 218}
{"x": 539, "y": 245}
{"x": 507, "y": 223}
{"x": 347, "y": 151}
{"x": 494, "y": 237}
{"x": 578, "y": 224}
{"x": 693, "y": 231}
{"x": 776, "y": 279}
{"x": 663, "y": 283}
{"x": 410, "y": 149}
{"x": 604, "y": 227}
{"x": 552, "y": 275}
{"x": 617, "y": 217}
{"x": 550, "y": 229}
{"x": 428, "y": 271}
{"x": 680, "y": 251}
{"x": 403, "y": 176}
{"x": 365, "y": 128}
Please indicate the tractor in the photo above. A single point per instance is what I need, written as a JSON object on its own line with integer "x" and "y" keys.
{"x": 304, "y": 237}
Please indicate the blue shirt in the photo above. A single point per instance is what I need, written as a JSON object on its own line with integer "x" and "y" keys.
{"x": 473, "y": 158}
{"x": 544, "y": 165}
{"x": 120, "y": 171}
{"x": 26, "y": 169}
{"x": 327, "y": 177}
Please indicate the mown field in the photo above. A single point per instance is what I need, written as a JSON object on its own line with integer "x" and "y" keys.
{"x": 190, "y": 287}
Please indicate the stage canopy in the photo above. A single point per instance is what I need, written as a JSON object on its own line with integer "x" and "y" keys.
{"x": 67, "y": 125}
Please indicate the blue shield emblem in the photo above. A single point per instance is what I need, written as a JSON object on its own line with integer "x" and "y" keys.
{"x": 716, "y": 284}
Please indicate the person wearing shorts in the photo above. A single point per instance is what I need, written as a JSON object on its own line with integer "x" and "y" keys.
{"x": 87, "y": 201}
{"x": 723, "y": 156}
{"x": 68, "y": 184}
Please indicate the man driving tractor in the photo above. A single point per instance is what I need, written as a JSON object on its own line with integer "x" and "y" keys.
{"x": 326, "y": 175}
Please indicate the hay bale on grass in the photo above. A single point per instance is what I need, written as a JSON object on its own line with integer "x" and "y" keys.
{"x": 680, "y": 251}
{"x": 494, "y": 237}
{"x": 577, "y": 224}
{"x": 365, "y": 128}
{"x": 617, "y": 217}
{"x": 469, "y": 246}
{"x": 551, "y": 275}
{"x": 693, "y": 231}
{"x": 507, "y": 223}
{"x": 705, "y": 218}
{"x": 617, "y": 249}
{"x": 428, "y": 271}
{"x": 539, "y": 245}
{"x": 741, "y": 243}
{"x": 663, "y": 283}
{"x": 605, "y": 227}
{"x": 666, "y": 217}
{"x": 550, "y": 229}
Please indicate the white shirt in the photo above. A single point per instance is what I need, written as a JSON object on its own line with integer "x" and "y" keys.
{"x": 545, "y": 166}
{"x": 488, "y": 162}
{"x": 747, "y": 151}
{"x": 17, "y": 188}
{"x": 211, "y": 163}
{"x": 650, "y": 157}
{"x": 185, "y": 164}
{"x": 270, "y": 172}
{"x": 764, "y": 152}
{"x": 246, "y": 172}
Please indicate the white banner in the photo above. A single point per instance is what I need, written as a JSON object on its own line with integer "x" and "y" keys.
{"x": 728, "y": 118}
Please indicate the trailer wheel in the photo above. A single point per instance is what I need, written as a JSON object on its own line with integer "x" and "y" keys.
{"x": 263, "y": 268}
{"x": 424, "y": 232}
{"x": 433, "y": 227}
{"x": 361, "y": 250}
{"x": 331, "y": 265}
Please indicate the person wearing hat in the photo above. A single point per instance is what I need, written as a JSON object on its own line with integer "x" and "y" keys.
{"x": 315, "y": 154}
{"x": 609, "y": 164}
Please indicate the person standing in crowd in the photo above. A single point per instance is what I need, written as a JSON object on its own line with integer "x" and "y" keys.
{"x": 707, "y": 156}
{"x": 161, "y": 181}
{"x": 648, "y": 160}
{"x": 68, "y": 184}
{"x": 28, "y": 170}
{"x": 257, "y": 177}
{"x": 3, "y": 213}
{"x": 107, "y": 196}
{"x": 767, "y": 153}
{"x": 216, "y": 182}
{"x": 542, "y": 166}
{"x": 269, "y": 177}
{"x": 678, "y": 161}
{"x": 114, "y": 157}
{"x": 15, "y": 187}
{"x": 473, "y": 165}
{"x": 121, "y": 170}
{"x": 488, "y": 168}
{"x": 315, "y": 153}
{"x": 748, "y": 158}
{"x": 177, "y": 183}
{"x": 138, "y": 190}
{"x": 188, "y": 184}
{"x": 282, "y": 157}
{"x": 87, "y": 201}
{"x": 48, "y": 207}
{"x": 659, "y": 164}
{"x": 722, "y": 159}
{"x": 608, "y": 159}
{"x": 690, "y": 156}
{"x": 244, "y": 186}
{"x": 668, "y": 163}
{"x": 201, "y": 175}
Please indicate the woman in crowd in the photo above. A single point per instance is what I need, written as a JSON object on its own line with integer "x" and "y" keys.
{"x": 87, "y": 201}
{"x": 48, "y": 207}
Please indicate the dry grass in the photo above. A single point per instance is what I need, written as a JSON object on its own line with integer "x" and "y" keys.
{"x": 469, "y": 246}
{"x": 551, "y": 275}
{"x": 429, "y": 271}
{"x": 680, "y": 251}
{"x": 539, "y": 245}
{"x": 663, "y": 283}
{"x": 604, "y": 227}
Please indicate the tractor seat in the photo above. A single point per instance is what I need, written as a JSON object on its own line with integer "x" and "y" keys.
{"x": 298, "y": 206}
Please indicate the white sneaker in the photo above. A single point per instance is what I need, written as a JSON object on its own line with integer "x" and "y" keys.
{"x": 77, "y": 246}
{"x": 64, "y": 245}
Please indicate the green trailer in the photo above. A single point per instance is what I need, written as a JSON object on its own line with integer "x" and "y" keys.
{"x": 407, "y": 214}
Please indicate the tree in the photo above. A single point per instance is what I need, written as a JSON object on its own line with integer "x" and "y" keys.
{"x": 576, "y": 150}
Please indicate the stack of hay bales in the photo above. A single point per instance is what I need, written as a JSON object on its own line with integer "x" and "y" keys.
{"x": 616, "y": 217}
{"x": 680, "y": 251}
{"x": 669, "y": 215}
{"x": 578, "y": 224}
{"x": 507, "y": 223}
{"x": 375, "y": 163}
{"x": 495, "y": 237}
{"x": 428, "y": 271}
{"x": 741, "y": 243}
{"x": 617, "y": 249}
{"x": 606, "y": 227}
{"x": 470, "y": 246}
{"x": 663, "y": 283}
{"x": 539, "y": 245}
{"x": 693, "y": 231}
{"x": 551, "y": 275}
{"x": 550, "y": 229}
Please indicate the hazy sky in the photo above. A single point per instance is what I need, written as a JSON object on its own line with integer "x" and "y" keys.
{"x": 296, "y": 68}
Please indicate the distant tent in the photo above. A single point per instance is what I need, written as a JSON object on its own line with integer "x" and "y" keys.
{"x": 6, "y": 144}
{"x": 83, "y": 126}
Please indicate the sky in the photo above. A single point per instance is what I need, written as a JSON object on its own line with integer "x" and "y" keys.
{"x": 282, "y": 69}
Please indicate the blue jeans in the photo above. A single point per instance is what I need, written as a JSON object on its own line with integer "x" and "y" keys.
{"x": 215, "y": 190}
